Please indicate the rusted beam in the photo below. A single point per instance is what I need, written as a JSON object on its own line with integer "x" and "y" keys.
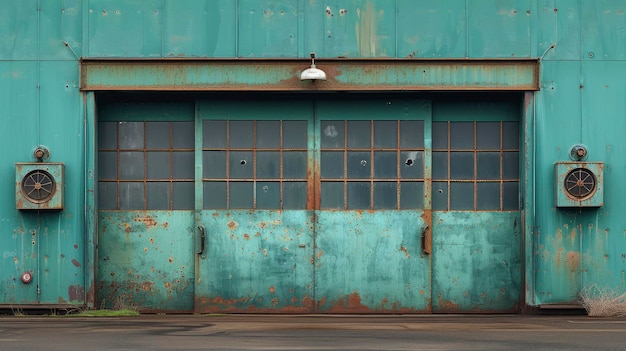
{"x": 284, "y": 74}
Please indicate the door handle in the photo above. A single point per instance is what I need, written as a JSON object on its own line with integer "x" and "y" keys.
{"x": 202, "y": 239}
{"x": 425, "y": 240}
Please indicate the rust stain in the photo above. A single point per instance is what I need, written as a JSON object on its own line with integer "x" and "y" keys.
{"x": 215, "y": 214}
{"x": 572, "y": 259}
{"x": 233, "y": 225}
{"x": 148, "y": 221}
{"x": 76, "y": 293}
{"x": 272, "y": 289}
{"x": 147, "y": 286}
{"x": 246, "y": 236}
{"x": 572, "y": 235}
{"x": 447, "y": 306}
{"x": 559, "y": 254}
{"x": 171, "y": 259}
{"x": 257, "y": 234}
{"x": 76, "y": 246}
{"x": 75, "y": 262}
{"x": 263, "y": 225}
{"x": 351, "y": 304}
{"x": 406, "y": 251}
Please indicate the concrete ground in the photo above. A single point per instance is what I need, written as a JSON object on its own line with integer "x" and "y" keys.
{"x": 312, "y": 332}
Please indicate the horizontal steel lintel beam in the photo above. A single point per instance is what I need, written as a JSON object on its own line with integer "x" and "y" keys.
{"x": 284, "y": 74}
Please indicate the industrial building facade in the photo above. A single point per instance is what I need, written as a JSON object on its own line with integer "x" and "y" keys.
{"x": 453, "y": 157}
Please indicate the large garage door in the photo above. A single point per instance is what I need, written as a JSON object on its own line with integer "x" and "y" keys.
{"x": 352, "y": 205}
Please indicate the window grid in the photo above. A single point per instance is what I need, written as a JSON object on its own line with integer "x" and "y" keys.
{"x": 229, "y": 179}
{"x": 145, "y": 180}
{"x": 501, "y": 181}
{"x": 373, "y": 179}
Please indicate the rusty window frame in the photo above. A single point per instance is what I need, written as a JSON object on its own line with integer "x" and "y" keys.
{"x": 145, "y": 181}
{"x": 257, "y": 183}
{"x": 372, "y": 180}
{"x": 504, "y": 149}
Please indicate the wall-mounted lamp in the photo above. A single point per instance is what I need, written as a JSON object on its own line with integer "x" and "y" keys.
{"x": 313, "y": 73}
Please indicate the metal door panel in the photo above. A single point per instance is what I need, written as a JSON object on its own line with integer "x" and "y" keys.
{"x": 146, "y": 260}
{"x": 256, "y": 262}
{"x": 371, "y": 262}
{"x": 476, "y": 261}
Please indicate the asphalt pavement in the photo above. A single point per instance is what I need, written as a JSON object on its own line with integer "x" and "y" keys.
{"x": 312, "y": 332}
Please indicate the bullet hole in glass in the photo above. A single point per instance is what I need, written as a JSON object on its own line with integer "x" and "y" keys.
{"x": 266, "y": 188}
{"x": 243, "y": 162}
{"x": 363, "y": 163}
{"x": 409, "y": 162}
{"x": 440, "y": 191}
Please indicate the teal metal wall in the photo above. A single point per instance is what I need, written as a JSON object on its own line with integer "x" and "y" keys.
{"x": 581, "y": 45}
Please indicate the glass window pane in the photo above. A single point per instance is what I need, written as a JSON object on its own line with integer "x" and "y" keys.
{"x": 488, "y": 135}
{"x": 294, "y": 195}
{"x": 107, "y": 196}
{"x": 510, "y": 196}
{"x": 294, "y": 164}
{"x": 268, "y": 134}
{"x": 183, "y": 194}
{"x": 294, "y": 134}
{"x": 462, "y": 165}
{"x": 107, "y": 165}
{"x": 510, "y": 165}
{"x": 386, "y": 134}
{"x": 461, "y": 196}
{"x": 214, "y": 195}
{"x": 412, "y": 164}
{"x": 131, "y": 165}
{"x": 241, "y": 195}
{"x": 214, "y": 134}
{"x": 183, "y": 135}
{"x": 107, "y": 135}
{"x": 241, "y": 134}
{"x": 358, "y": 195}
{"x": 411, "y": 195}
{"x": 488, "y": 196}
{"x": 440, "y": 165}
{"x": 385, "y": 195}
{"x": 488, "y": 166}
{"x": 462, "y": 135}
{"x": 158, "y": 165}
{"x": 158, "y": 196}
{"x": 183, "y": 165}
{"x": 241, "y": 164}
{"x": 268, "y": 165}
{"x": 385, "y": 164}
{"x": 332, "y": 134}
{"x": 510, "y": 135}
{"x": 331, "y": 196}
{"x": 214, "y": 164}
{"x": 268, "y": 195}
{"x": 411, "y": 134}
{"x": 332, "y": 164}
{"x": 440, "y": 135}
{"x": 359, "y": 134}
{"x": 131, "y": 135}
{"x": 157, "y": 135}
{"x": 131, "y": 196}
{"x": 359, "y": 164}
{"x": 440, "y": 196}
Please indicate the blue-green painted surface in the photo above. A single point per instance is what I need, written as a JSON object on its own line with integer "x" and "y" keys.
{"x": 477, "y": 261}
{"x": 581, "y": 101}
{"x": 146, "y": 260}
{"x": 257, "y": 261}
{"x": 371, "y": 262}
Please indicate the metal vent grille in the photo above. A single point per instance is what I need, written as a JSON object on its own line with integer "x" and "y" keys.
{"x": 580, "y": 183}
{"x": 38, "y": 186}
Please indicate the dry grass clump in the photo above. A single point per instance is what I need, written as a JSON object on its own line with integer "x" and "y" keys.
{"x": 603, "y": 302}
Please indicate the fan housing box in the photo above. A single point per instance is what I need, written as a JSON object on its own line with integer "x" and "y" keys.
{"x": 39, "y": 186}
{"x": 579, "y": 184}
